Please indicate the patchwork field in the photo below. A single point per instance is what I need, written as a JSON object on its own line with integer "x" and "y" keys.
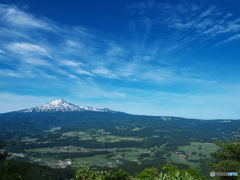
{"x": 100, "y": 136}
{"x": 27, "y": 139}
{"x": 53, "y": 129}
{"x": 206, "y": 148}
{"x": 194, "y": 152}
{"x": 97, "y": 160}
{"x": 185, "y": 154}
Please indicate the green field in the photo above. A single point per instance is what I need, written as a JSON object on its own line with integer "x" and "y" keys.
{"x": 27, "y": 139}
{"x": 206, "y": 149}
{"x": 131, "y": 154}
{"x": 100, "y": 136}
{"x": 53, "y": 129}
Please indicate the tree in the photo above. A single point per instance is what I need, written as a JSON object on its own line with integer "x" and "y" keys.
{"x": 148, "y": 173}
{"x": 85, "y": 173}
{"x": 121, "y": 175}
{"x": 193, "y": 173}
{"x": 227, "y": 158}
{"x": 5, "y": 155}
{"x": 11, "y": 172}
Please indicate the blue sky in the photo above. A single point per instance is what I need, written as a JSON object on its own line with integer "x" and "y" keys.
{"x": 167, "y": 58}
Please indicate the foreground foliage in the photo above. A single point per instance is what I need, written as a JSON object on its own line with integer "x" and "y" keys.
{"x": 5, "y": 155}
{"x": 227, "y": 159}
{"x": 11, "y": 171}
{"x": 173, "y": 173}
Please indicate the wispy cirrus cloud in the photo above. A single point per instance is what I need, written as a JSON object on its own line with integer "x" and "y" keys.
{"x": 84, "y": 72}
{"x": 72, "y": 76}
{"x": 232, "y": 38}
{"x": 51, "y": 77}
{"x": 235, "y": 37}
{"x": 7, "y": 72}
{"x": 154, "y": 61}
{"x": 71, "y": 63}
{"x": 103, "y": 72}
{"x": 27, "y": 48}
{"x": 141, "y": 7}
{"x": 91, "y": 89}
{"x": 73, "y": 44}
{"x": 194, "y": 19}
{"x": 210, "y": 11}
{"x": 36, "y": 61}
{"x": 203, "y": 21}
{"x": 103, "y": 58}
{"x": 10, "y": 15}
{"x": 114, "y": 50}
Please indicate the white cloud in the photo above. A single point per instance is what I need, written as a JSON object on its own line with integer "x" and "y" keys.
{"x": 84, "y": 72}
{"x": 10, "y": 14}
{"x": 73, "y": 44}
{"x": 36, "y": 61}
{"x": 1, "y": 51}
{"x": 93, "y": 90}
{"x": 51, "y": 77}
{"x": 72, "y": 76}
{"x": 207, "y": 12}
{"x": 140, "y": 7}
{"x": 194, "y": 17}
{"x": 114, "y": 50}
{"x": 26, "y": 48}
{"x": 228, "y": 15}
{"x": 232, "y": 38}
{"x": 7, "y": 72}
{"x": 13, "y": 34}
{"x": 78, "y": 31}
{"x": 146, "y": 58}
{"x": 235, "y": 37}
{"x": 131, "y": 69}
{"x": 195, "y": 7}
{"x": 70, "y": 63}
{"x": 105, "y": 73}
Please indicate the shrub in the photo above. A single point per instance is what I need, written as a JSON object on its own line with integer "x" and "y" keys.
{"x": 173, "y": 173}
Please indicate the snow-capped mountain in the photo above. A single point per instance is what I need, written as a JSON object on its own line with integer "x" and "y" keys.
{"x": 62, "y": 106}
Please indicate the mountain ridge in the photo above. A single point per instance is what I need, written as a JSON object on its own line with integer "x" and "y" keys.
{"x": 61, "y": 105}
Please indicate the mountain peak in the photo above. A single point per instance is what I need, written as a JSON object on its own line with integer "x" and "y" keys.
{"x": 61, "y": 105}
{"x": 59, "y": 101}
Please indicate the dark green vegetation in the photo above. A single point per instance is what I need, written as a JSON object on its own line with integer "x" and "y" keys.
{"x": 33, "y": 171}
{"x": 227, "y": 158}
{"x": 173, "y": 173}
{"x": 117, "y": 141}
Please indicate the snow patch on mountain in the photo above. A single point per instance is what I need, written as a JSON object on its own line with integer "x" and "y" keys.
{"x": 61, "y": 105}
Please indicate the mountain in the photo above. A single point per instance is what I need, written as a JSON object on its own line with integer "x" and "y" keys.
{"x": 61, "y": 105}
